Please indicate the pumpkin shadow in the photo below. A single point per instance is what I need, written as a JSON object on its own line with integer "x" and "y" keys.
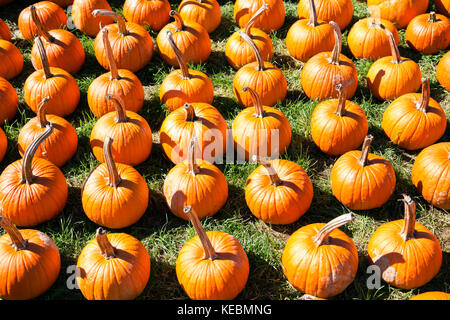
{"x": 224, "y": 30}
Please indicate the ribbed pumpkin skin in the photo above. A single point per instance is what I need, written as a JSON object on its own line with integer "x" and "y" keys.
{"x": 221, "y": 279}
{"x": 121, "y": 278}
{"x": 50, "y": 14}
{"x": 366, "y": 40}
{"x": 84, "y": 20}
{"x": 63, "y": 3}
{"x": 431, "y": 174}
{"x": 28, "y": 273}
{"x": 431, "y": 295}
{"x": 322, "y": 271}
{"x": 3, "y": 144}
{"x": 207, "y": 13}
{"x": 443, "y": 7}
{"x": 5, "y": 33}
{"x": 148, "y": 13}
{"x": 428, "y": 37}
{"x": 405, "y": 264}
{"x": 9, "y": 99}
{"x": 29, "y": 205}
{"x": 442, "y": 74}
{"x": 339, "y": 11}
{"x": 271, "y": 20}
{"x": 283, "y": 204}
{"x": 399, "y": 12}
{"x": 12, "y": 60}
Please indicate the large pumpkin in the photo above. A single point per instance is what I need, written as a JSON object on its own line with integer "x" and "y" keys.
{"x": 399, "y": 12}
{"x": 12, "y": 60}
{"x": 442, "y": 74}
{"x": 431, "y": 295}
{"x": 10, "y": 101}
{"x": 5, "y": 33}
{"x": 271, "y": 20}
{"x": 443, "y": 7}
{"x": 339, "y": 11}
{"x": 205, "y": 12}
{"x": 83, "y": 19}
{"x": 153, "y": 14}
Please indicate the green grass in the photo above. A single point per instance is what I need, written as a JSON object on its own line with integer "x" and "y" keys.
{"x": 163, "y": 234}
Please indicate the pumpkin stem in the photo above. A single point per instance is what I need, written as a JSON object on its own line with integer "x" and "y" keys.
{"x": 342, "y": 98}
{"x": 364, "y": 158}
{"x": 255, "y": 50}
{"x": 337, "y": 43}
{"x": 210, "y": 253}
{"x": 259, "y": 108}
{"x": 407, "y": 231}
{"x": 119, "y": 106}
{"x": 322, "y": 236}
{"x": 41, "y": 30}
{"x": 190, "y": 112}
{"x": 105, "y": 246}
{"x": 422, "y": 105}
{"x": 45, "y": 65}
{"x": 18, "y": 242}
{"x": 253, "y": 19}
{"x": 41, "y": 112}
{"x": 432, "y": 16}
{"x": 312, "y": 14}
{"x": 396, "y": 58}
{"x": 113, "y": 174}
{"x": 120, "y": 21}
{"x": 193, "y": 167}
{"x": 109, "y": 55}
{"x": 27, "y": 174}
{"x": 274, "y": 178}
{"x": 178, "y": 19}
{"x": 179, "y": 55}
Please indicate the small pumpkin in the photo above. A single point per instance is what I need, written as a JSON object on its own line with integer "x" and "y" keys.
{"x": 113, "y": 266}
{"x": 431, "y": 174}
{"x": 443, "y": 7}
{"x": 442, "y": 74}
{"x": 5, "y": 33}
{"x": 30, "y": 262}
{"x": 184, "y": 85}
{"x": 339, "y": 11}
{"x": 406, "y": 252}
{"x": 12, "y": 60}
{"x": 399, "y": 12}
{"x": 271, "y": 20}
{"x": 431, "y": 295}
{"x": 10, "y": 101}
{"x": 131, "y": 134}
{"x": 153, "y": 14}
{"x": 83, "y": 19}
{"x": 3, "y": 144}
{"x": 361, "y": 180}
{"x": 205, "y": 12}
{"x": 321, "y": 260}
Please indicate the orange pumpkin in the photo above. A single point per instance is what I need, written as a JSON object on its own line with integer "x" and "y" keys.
{"x": 431, "y": 295}
{"x": 431, "y": 174}
{"x": 442, "y": 74}
{"x": 399, "y": 12}
{"x": 271, "y": 20}
{"x": 5, "y": 33}
{"x": 339, "y": 11}
{"x": 184, "y": 85}
{"x": 63, "y": 3}
{"x": 12, "y": 60}
{"x": 118, "y": 82}
{"x": 113, "y": 267}
{"x": 32, "y": 191}
{"x": 406, "y": 252}
{"x": 212, "y": 265}
{"x": 321, "y": 260}
{"x": 205, "y": 12}
{"x": 443, "y": 7}
{"x": 3, "y": 144}
{"x": 10, "y": 101}
{"x": 83, "y": 19}
{"x": 30, "y": 262}
{"x": 153, "y": 14}
{"x": 59, "y": 147}
{"x": 361, "y": 180}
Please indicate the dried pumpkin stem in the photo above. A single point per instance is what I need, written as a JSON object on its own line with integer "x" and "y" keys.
{"x": 120, "y": 108}
{"x": 105, "y": 246}
{"x": 322, "y": 236}
{"x": 41, "y": 112}
{"x": 396, "y": 58}
{"x": 18, "y": 242}
{"x": 109, "y": 55}
{"x": 113, "y": 174}
{"x": 274, "y": 178}
{"x": 190, "y": 112}
{"x": 255, "y": 50}
{"x": 342, "y": 99}
{"x": 425, "y": 98}
{"x": 193, "y": 167}
{"x": 41, "y": 30}
{"x": 407, "y": 231}
{"x": 43, "y": 55}
{"x": 432, "y": 17}
{"x": 364, "y": 158}
{"x": 337, "y": 43}
{"x": 312, "y": 14}
{"x": 253, "y": 19}
{"x": 178, "y": 19}
{"x": 179, "y": 55}
{"x": 259, "y": 109}
{"x": 120, "y": 21}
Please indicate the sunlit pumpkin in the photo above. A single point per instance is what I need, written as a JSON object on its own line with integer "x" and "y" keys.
{"x": 399, "y": 12}
{"x": 12, "y": 60}
{"x": 83, "y": 19}
{"x": 431, "y": 295}
{"x": 5, "y": 33}
{"x": 153, "y": 14}
{"x": 442, "y": 74}
{"x": 10, "y": 101}
{"x": 271, "y": 20}
{"x": 3, "y": 144}
{"x": 339, "y": 11}
{"x": 205, "y": 12}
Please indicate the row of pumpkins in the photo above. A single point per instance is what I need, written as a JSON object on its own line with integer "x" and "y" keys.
{"x": 278, "y": 192}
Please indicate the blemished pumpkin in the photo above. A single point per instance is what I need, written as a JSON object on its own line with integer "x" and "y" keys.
{"x": 338, "y": 125}
{"x": 3, "y": 144}
{"x": 278, "y": 191}
{"x": 5, "y": 33}
{"x": 114, "y": 195}
{"x": 399, "y": 12}
{"x": 339, "y": 11}
{"x": 260, "y": 130}
{"x": 59, "y": 147}
{"x": 239, "y": 53}
{"x": 271, "y": 20}
{"x": 431, "y": 174}
{"x": 212, "y": 265}
{"x": 393, "y": 76}
{"x": 197, "y": 183}
{"x": 321, "y": 260}
{"x": 414, "y": 120}
{"x": 83, "y": 19}
{"x": 184, "y": 85}
{"x": 325, "y": 70}
{"x": 443, "y": 7}
{"x": 153, "y": 14}
{"x": 205, "y": 12}
{"x": 10, "y": 101}
{"x": 118, "y": 82}
{"x": 407, "y": 253}
{"x": 442, "y": 74}
{"x": 12, "y": 60}
{"x": 431, "y": 295}
{"x": 113, "y": 266}
{"x": 361, "y": 180}
{"x": 32, "y": 190}
{"x": 30, "y": 262}
{"x": 131, "y": 134}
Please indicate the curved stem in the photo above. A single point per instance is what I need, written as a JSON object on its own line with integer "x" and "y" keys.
{"x": 210, "y": 253}
{"x": 119, "y": 106}
{"x": 113, "y": 174}
{"x": 396, "y": 58}
{"x": 425, "y": 98}
{"x": 105, "y": 246}
{"x": 432, "y": 16}
{"x": 41, "y": 112}
{"x": 178, "y": 20}
{"x": 337, "y": 43}
{"x": 179, "y": 55}
{"x": 322, "y": 236}
{"x": 259, "y": 109}
{"x": 43, "y": 55}
{"x": 342, "y": 98}
{"x": 407, "y": 231}
{"x": 255, "y": 50}
{"x": 190, "y": 112}
{"x": 364, "y": 158}
{"x": 193, "y": 168}
{"x": 312, "y": 14}
{"x": 41, "y": 30}
{"x": 253, "y": 19}
{"x": 120, "y": 21}
{"x": 18, "y": 242}
{"x": 109, "y": 55}
{"x": 274, "y": 178}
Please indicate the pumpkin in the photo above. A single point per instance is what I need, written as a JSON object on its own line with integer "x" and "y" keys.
{"x": 56, "y": 83}
{"x": 443, "y": 6}
{"x": 190, "y": 38}
{"x": 131, "y": 44}
{"x": 5, "y": 33}
{"x": 399, "y": 12}
{"x": 197, "y": 183}
{"x": 367, "y": 40}
{"x": 339, "y": 11}
{"x": 406, "y": 252}
{"x": 59, "y": 147}
{"x": 63, "y": 3}
{"x": 153, "y": 14}
{"x": 325, "y": 70}
{"x": 113, "y": 266}
{"x": 261, "y": 76}
{"x": 361, "y": 180}
{"x": 414, "y": 121}
{"x": 30, "y": 262}
{"x": 118, "y": 82}
{"x": 308, "y": 37}
{"x": 63, "y": 49}
{"x": 131, "y": 134}
{"x": 114, "y": 195}
{"x": 431, "y": 174}
{"x": 239, "y": 53}
{"x": 212, "y": 265}
{"x": 184, "y": 85}
{"x": 10, "y": 101}
{"x": 3, "y": 144}
{"x": 83, "y": 19}
{"x": 12, "y": 60}
{"x": 278, "y": 191}
{"x": 431, "y": 295}
{"x": 392, "y": 76}
{"x": 338, "y": 125}
{"x": 271, "y": 20}
{"x": 205, "y": 12}
{"x": 50, "y": 15}
{"x": 319, "y": 259}
{"x": 428, "y": 33}
{"x": 442, "y": 74}
{"x": 260, "y": 130}
{"x": 194, "y": 119}
{"x": 32, "y": 191}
